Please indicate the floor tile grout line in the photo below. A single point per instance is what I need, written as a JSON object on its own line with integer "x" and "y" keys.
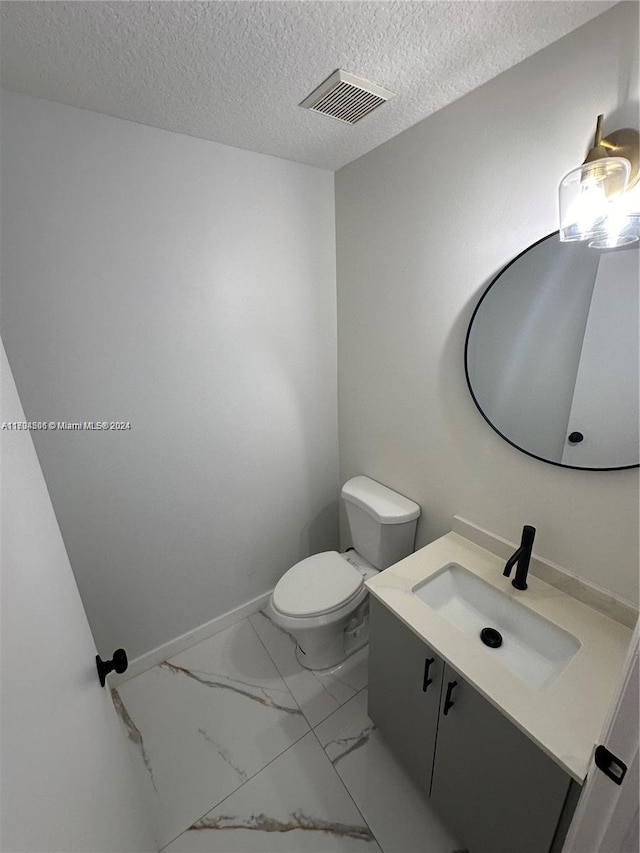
{"x": 273, "y": 661}
{"x": 328, "y": 692}
{"x": 344, "y": 704}
{"x": 335, "y": 770}
{"x": 344, "y": 683}
{"x": 344, "y": 785}
{"x": 231, "y": 793}
{"x": 219, "y": 803}
{"x": 310, "y": 730}
{"x": 363, "y": 689}
{"x": 287, "y": 686}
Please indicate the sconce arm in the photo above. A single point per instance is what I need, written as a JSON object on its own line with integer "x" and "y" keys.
{"x": 621, "y": 143}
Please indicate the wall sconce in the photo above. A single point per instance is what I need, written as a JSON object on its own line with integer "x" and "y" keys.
{"x": 592, "y": 197}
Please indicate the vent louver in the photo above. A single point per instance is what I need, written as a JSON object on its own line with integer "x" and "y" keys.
{"x": 346, "y": 97}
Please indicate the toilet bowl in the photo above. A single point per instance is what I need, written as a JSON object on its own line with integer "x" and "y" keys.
{"x": 322, "y": 601}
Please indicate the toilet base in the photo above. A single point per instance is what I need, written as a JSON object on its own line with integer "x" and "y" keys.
{"x": 336, "y": 648}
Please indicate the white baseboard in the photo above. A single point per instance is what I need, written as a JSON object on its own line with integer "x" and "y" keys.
{"x": 185, "y": 641}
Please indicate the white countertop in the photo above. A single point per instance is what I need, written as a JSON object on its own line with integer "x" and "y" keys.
{"x": 565, "y": 718}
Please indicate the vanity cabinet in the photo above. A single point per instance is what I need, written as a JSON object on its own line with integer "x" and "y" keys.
{"x": 490, "y": 783}
{"x": 405, "y": 680}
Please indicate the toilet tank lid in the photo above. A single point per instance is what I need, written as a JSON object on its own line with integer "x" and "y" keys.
{"x": 385, "y": 505}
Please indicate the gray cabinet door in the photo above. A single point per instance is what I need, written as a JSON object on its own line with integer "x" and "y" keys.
{"x": 405, "y": 678}
{"x": 495, "y": 788}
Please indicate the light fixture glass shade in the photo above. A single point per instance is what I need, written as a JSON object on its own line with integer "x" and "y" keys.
{"x": 588, "y": 197}
{"x": 622, "y": 230}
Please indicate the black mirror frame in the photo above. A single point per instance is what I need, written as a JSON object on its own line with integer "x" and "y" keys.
{"x": 474, "y": 398}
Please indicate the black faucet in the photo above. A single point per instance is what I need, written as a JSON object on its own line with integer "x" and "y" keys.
{"x": 522, "y": 557}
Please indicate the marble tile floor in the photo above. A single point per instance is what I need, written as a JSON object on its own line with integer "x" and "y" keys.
{"x": 237, "y": 748}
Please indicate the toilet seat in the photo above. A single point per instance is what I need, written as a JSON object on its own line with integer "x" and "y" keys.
{"x": 317, "y": 585}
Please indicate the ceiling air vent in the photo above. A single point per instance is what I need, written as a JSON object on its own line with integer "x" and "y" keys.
{"x": 346, "y": 97}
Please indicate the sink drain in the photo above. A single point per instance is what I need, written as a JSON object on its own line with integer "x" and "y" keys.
{"x": 490, "y": 637}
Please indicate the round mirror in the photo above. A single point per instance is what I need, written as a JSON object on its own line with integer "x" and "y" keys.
{"x": 552, "y": 354}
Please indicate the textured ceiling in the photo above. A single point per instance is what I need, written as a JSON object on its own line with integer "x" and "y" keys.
{"x": 235, "y": 72}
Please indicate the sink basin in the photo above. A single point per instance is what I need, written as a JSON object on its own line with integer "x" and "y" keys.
{"x": 532, "y": 648}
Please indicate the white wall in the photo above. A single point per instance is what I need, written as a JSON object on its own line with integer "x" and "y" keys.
{"x": 189, "y": 288}
{"x": 67, "y": 784}
{"x": 423, "y": 224}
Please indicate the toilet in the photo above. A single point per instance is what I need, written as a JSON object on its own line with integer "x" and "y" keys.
{"x": 322, "y": 600}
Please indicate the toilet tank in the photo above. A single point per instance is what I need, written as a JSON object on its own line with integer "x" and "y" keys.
{"x": 382, "y": 523}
